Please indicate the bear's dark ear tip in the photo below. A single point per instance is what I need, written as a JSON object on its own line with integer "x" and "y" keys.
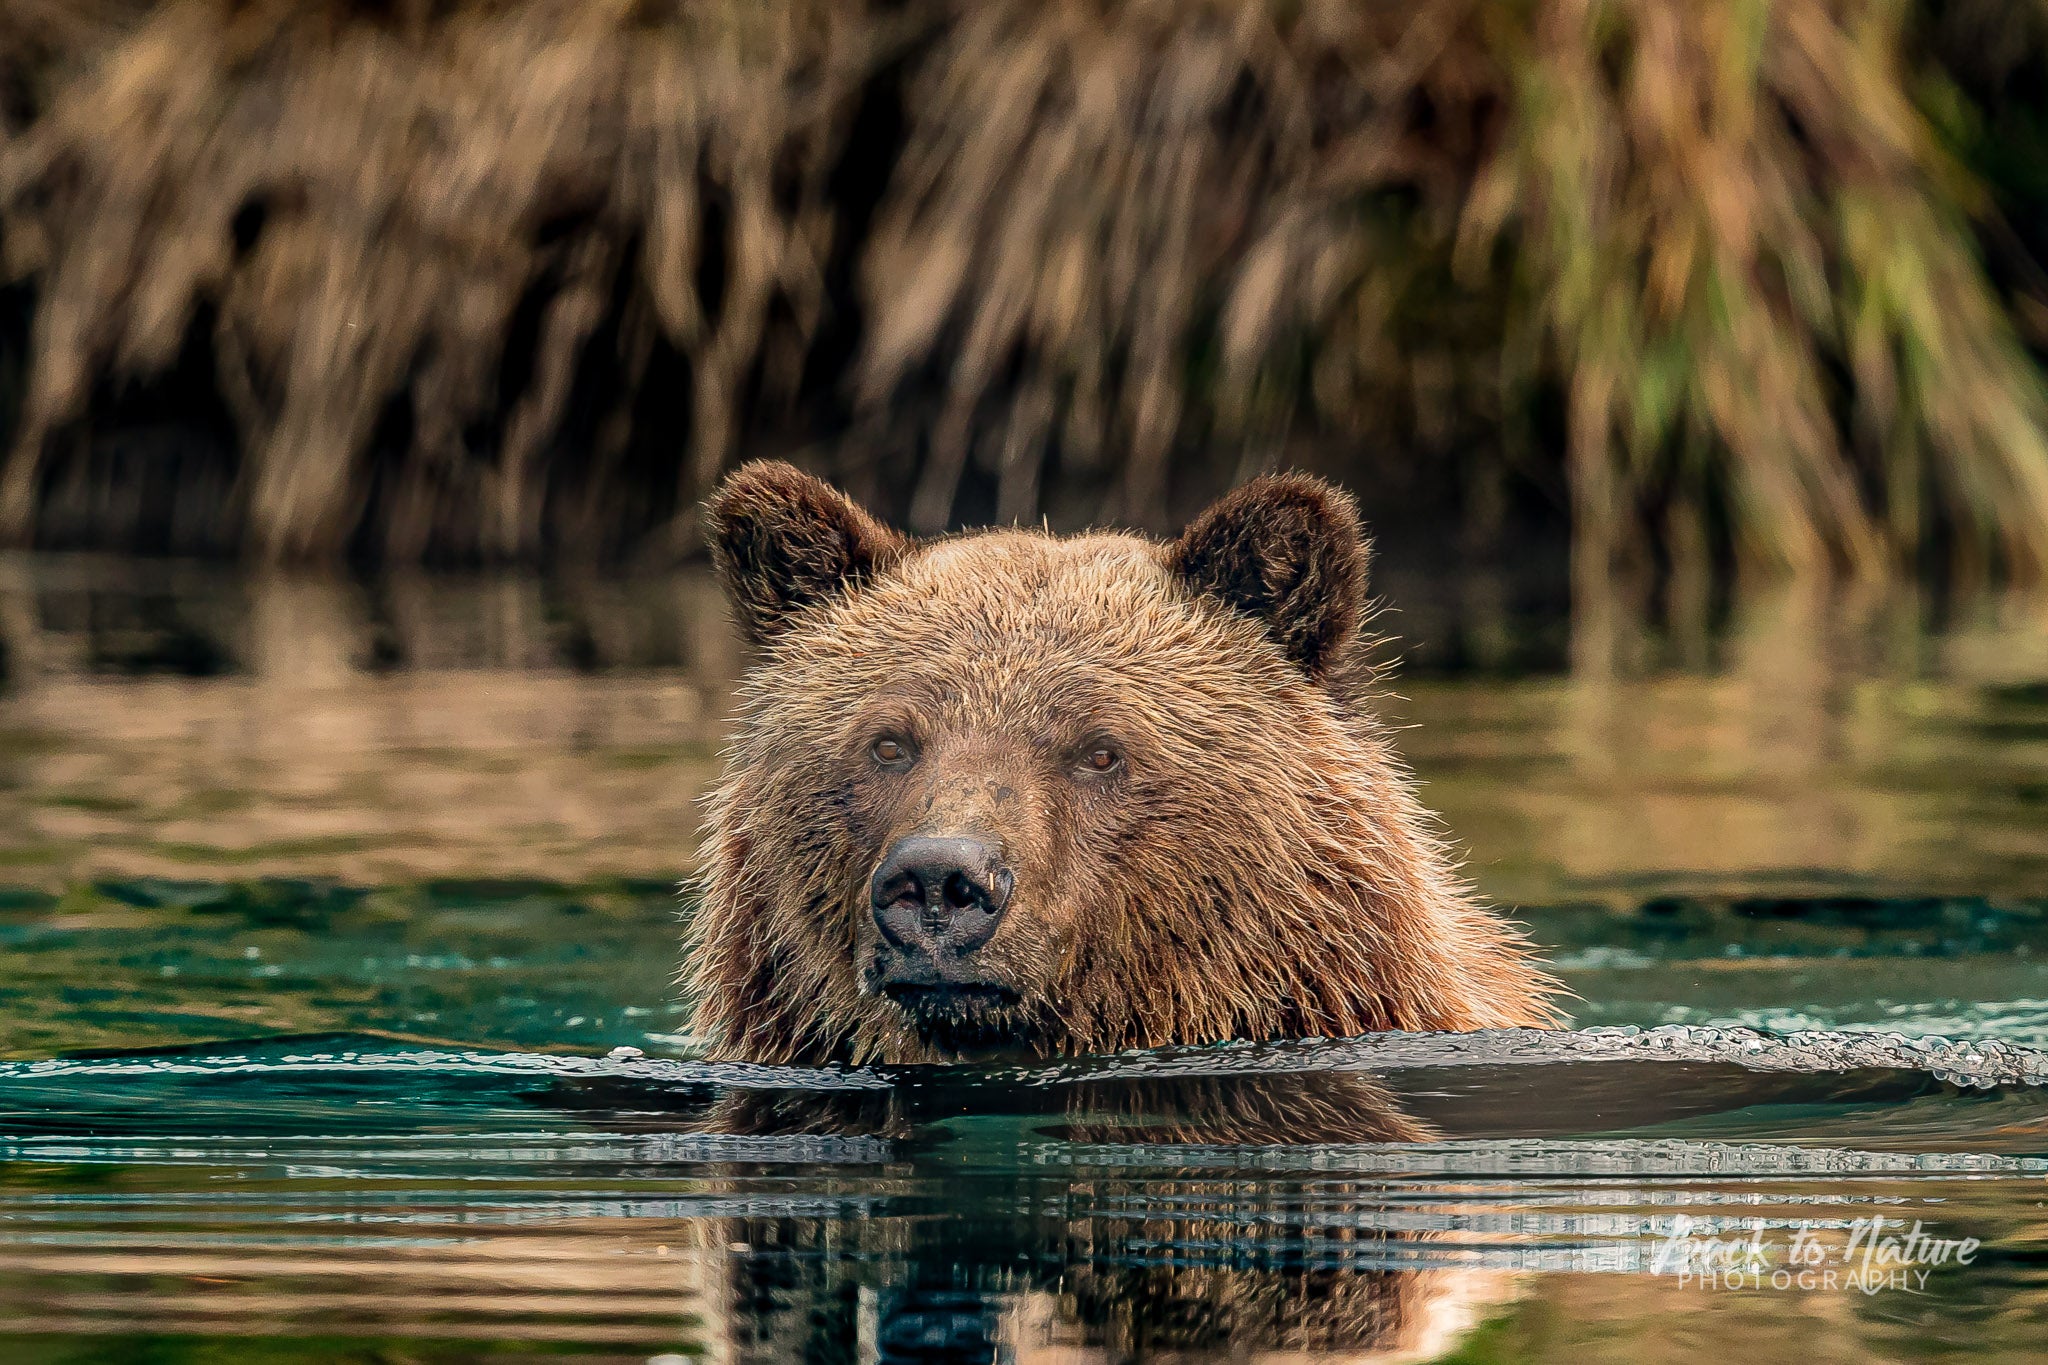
{"x": 1299, "y": 499}
{"x": 783, "y": 541}
{"x": 761, "y": 485}
{"x": 1289, "y": 551}
{"x": 1276, "y": 509}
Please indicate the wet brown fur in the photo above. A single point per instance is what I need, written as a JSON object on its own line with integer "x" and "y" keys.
{"x": 1259, "y": 868}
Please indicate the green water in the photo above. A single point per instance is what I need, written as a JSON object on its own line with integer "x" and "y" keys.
{"x": 326, "y": 907}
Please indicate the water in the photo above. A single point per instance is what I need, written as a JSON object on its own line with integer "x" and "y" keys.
{"x": 342, "y": 1194}
{"x": 337, "y": 1021}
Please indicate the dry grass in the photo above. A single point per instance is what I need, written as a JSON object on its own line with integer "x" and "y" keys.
{"x": 1153, "y": 223}
{"x": 1756, "y": 266}
{"x": 486, "y": 279}
{"x": 1721, "y": 225}
{"x": 363, "y": 208}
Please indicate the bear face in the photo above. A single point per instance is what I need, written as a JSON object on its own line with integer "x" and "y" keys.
{"x": 1008, "y": 792}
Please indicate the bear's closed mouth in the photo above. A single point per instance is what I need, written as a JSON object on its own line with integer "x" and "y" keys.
{"x": 960, "y": 1016}
{"x": 950, "y": 998}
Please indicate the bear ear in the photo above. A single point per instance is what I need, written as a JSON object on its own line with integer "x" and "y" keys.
{"x": 1286, "y": 550}
{"x": 783, "y": 542}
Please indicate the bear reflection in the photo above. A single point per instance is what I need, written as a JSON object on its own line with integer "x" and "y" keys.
{"x": 797, "y": 1295}
{"x": 1120, "y": 1243}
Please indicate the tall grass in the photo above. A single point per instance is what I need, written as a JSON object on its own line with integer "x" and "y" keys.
{"x": 1755, "y": 263}
{"x": 489, "y": 279}
{"x": 366, "y": 212}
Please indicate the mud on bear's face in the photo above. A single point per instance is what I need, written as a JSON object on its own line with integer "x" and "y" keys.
{"x": 971, "y": 762}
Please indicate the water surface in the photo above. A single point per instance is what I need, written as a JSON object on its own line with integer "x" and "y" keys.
{"x": 337, "y": 1020}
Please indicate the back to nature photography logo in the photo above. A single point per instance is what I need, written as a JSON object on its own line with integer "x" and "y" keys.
{"x": 1870, "y": 1254}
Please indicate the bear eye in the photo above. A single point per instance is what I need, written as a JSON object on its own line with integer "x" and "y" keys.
{"x": 891, "y": 751}
{"x": 1101, "y": 759}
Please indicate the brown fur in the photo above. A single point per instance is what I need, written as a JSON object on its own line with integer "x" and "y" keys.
{"x": 1257, "y": 866}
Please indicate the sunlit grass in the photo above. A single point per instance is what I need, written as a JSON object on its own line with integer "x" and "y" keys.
{"x": 1082, "y": 253}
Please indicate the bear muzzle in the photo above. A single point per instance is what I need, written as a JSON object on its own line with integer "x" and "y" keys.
{"x": 936, "y": 899}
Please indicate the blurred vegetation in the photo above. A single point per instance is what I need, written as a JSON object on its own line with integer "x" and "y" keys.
{"x": 1712, "y": 282}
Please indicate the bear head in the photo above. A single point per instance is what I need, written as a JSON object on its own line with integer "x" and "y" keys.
{"x": 1009, "y": 792}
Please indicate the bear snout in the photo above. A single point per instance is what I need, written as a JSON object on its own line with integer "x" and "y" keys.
{"x": 938, "y": 898}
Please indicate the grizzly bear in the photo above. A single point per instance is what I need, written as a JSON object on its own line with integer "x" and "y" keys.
{"x": 1011, "y": 793}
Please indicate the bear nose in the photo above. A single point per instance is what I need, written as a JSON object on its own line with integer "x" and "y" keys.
{"x": 940, "y": 892}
